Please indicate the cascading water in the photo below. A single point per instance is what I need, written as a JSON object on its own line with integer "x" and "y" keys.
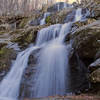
{"x": 58, "y": 7}
{"x": 81, "y": 17}
{"x": 52, "y": 65}
{"x": 42, "y": 22}
{"x": 78, "y": 15}
{"x": 9, "y": 87}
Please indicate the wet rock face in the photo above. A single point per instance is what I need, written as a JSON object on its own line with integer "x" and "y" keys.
{"x": 95, "y": 71}
{"x": 26, "y": 36}
{"x": 78, "y": 74}
{"x": 86, "y": 22}
{"x": 70, "y": 17}
{"x": 86, "y": 42}
{"x": 93, "y": 6}
{"x": 95, "y": 65}
{"x": 59, "y": 17}
{"x": 27, "y": 83}
{"x": 34, "y": 22}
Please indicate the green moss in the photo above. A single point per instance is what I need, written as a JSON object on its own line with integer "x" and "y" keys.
{"x": 4, "y": 51}
{"x": 23, "y": 22}
{"x": 48, "y": 19}
{"x": 2, "y": 32}
{"x": 6, "y": 55}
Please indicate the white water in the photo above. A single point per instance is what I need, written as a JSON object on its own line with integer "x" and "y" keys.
{"x": 65, "y": 6}
{"x": 52, "y": 66}
{"x": 48, "y": 34}
{"x": 58, "y": 7}
{"x": 9, "y": 87}
{"x": 42, "y": 22}
{"x": 78, "y": 15}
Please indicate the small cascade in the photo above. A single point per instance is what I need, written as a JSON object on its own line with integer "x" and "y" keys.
{"x": 65, "y": 5}
{"x": 58, "y": 7}
{"x": 85, "y": 14}
{"x": 78, "y": 15}
{"x": 9, "y": 87}
{"x": 42, "y": 22}
{"x": 47, "y": 34}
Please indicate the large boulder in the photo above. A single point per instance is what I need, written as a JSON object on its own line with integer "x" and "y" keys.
{"x": 86, "y": 41}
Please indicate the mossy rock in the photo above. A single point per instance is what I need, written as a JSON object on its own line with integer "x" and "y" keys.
{"x": 86, "y": 42}
{"x": 2, "y": 32}
{"x": 25, "y": 37}
{"x": 5, "y": 27}
{"x": 2, "y": 45}
{"x": 95, "y": 76}
{"x": 48, "y": 19}
{"x": 23, "y": 22}
{"x": 58, "y": 17}
{"x": 6, "y": 56}
{"x": 88, "y": 21}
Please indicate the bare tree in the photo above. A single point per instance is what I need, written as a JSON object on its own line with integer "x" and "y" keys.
{"x": 23, "y": 6}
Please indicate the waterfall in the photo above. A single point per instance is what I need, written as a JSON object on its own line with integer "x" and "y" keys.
{"x": 52, "y": 68}
{"x": 42, "y": 22}
{"x": 78, "y": 15}
{"x": 58, "y": 7}
{"x": 9, "y": 87}
{"x": 52, "y": 65}
{"x": 81, "y": 17}
{"x": 47, "y": 34}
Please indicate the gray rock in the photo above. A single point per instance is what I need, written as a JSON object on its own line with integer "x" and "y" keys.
{"x": 95, "y": 65}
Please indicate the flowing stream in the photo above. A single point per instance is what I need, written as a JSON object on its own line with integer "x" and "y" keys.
{"x": 42, "y": 22}
{"x": 52, "y": 68}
